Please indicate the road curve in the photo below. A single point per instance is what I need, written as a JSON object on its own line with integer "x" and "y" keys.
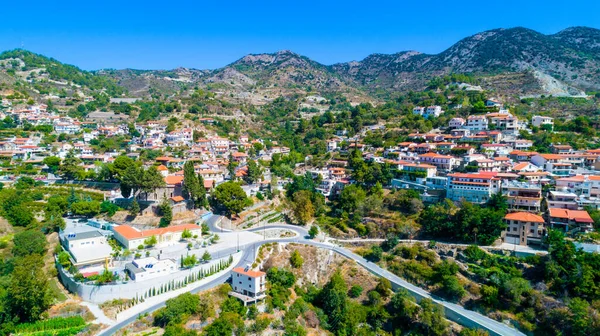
{"x": 453, "y": 311}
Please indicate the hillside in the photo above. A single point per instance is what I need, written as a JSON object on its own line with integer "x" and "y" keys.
{"x": 571, "y": 56}
{"x": 561, "y": 64}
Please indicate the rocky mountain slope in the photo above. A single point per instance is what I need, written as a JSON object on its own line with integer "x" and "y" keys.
{"x": 564, "y": 63}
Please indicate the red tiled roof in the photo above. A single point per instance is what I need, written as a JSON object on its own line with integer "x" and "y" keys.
{"x": 577, "y": 215}
{"x": 129, "y": 232}
{"x": 250, "y": 273}
{"x": 173, "y": 179}
{"x": 524, "y": 217}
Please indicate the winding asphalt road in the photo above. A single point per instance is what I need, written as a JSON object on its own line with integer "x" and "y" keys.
{"x": 453, "y": 311}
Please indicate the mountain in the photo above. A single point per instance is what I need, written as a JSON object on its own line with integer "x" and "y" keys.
{"x": 572, "y": 56}
{"x": 283, "y": 69}
{"x": 520, "y": 61}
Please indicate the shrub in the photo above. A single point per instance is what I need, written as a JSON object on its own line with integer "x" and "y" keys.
{"x": 355, "y": 291}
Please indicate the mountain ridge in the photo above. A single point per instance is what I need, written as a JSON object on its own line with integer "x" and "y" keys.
{"x": 570, "y": 56}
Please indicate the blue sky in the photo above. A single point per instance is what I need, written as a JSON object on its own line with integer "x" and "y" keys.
{"x": 206, "y": 35}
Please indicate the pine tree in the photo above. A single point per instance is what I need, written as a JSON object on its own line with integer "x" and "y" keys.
{"x": 134, "y": 209}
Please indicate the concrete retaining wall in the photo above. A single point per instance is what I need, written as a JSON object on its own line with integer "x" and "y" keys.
{"x": 129, "y": 290}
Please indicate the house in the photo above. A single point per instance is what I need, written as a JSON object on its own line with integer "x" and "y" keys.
{"x": 474, "y": 187}
{"x": 456, "y": 123}
{"x": 442, "y": 162}
{"x": 86, "y": 246}
{"x": 248, "y": 285}
{"x": 553, "y": 164}
{"x": 433, "y": 111}
{"x": 570, "y": 221}
{"x": 582, "y": 185}
{"x": 539, "y": 121}
{"x": 131, "y": 237}
{"x": 419, "y": 110}
{"x": 419, "y": 170}
{"x": 525, "y": 167}
{"x": 561, "y": 149}
{"x": 493, "y": 102}
{"x": 149, "y": 268}
{"x": 562, "y": 200}
{"x": 523, "y": 228}
{"x": 522, "y": 196}
{"x": 476, "y": 123}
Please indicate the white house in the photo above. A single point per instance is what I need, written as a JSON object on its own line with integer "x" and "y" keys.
{"x": 131, "y": 237}
{"x": 433, "y": 111}
{"x": 419, "y": 110}
{"x": 150, "y": 268}
{"x": 456, "y": 123}
{"x": 477, "y": 123}
{"x": 252, "y": 285}
{"x": 538, "y": 121}
{"x": 86, "y": 247}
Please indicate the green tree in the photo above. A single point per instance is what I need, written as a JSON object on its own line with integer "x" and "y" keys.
{"x": 167, "y": 214}
{"x": 186, "y": 234}
{"x": 206, "y": 257}
{"x": 254, "y": 172}
{"x": 191, "y": 185}
{"x": 177, "y": 310}
{"x": 230, "y": 198}
{"x": 351, "y": 197}
{"x": 27, "y": 295}
{"x": 313, "y": 231}
{"x": 134, "y": 208}
{"x": 431, "y": 318}
{"x": 333, "y": 300}
{"x": 71, "y": 168}
{"x": 150, "y": 241}
{"x": 302, "y": 206}
{"x": 52, "y": 162}
{"x": 29, "y": 242}
{"x": 296, "y": 259}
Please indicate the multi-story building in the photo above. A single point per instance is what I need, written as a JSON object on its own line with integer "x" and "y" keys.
{"x": 582, "y": 185}
{"x": 570, "y": 221}
{"x": 433, "y": 111}
{"x": 442, "y": 162}
{"x": 553, "y": 164}
{"x": 522, "y": 195}
{"x": 562, "y": 200}
{"x": 419, "y": 110}
{"x": 474, "y": 188}
{"x": 523, "y": 228}
{"x": 476, "y": 123}
{"x": 456, "y": 123}
{"x": 250, "y": 285}
{"x": 418, "y": 169}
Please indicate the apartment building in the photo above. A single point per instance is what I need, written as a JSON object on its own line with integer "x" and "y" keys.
{"x": 524, "y": 228}
{"x": 476, "y": 123}
{"x": 474, "y": 188}
{"x": 582, "y": 185}
{"x": 441, "y": 162}
{"x": 522, "y": 196}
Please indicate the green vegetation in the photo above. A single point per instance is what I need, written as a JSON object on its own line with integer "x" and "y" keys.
{"x": 230, "y": 198}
